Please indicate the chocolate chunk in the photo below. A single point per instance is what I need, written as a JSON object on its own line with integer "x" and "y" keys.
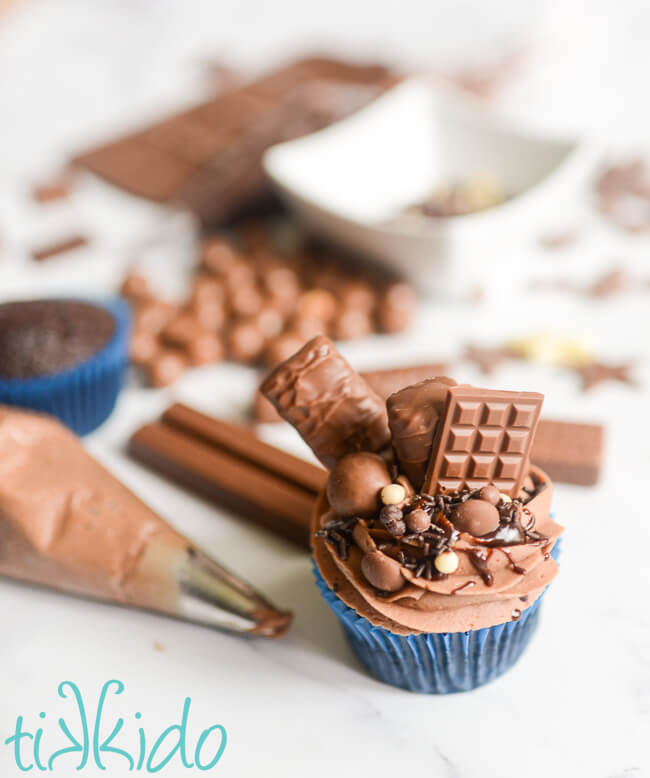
{"x": 568, "y": 451}
{"x": 355, "y": 483}
{"x": 166, "y": 367}
{"x": 595, "y": 373}
{"x": 331, "y": 406}
{"x": 60, "y": 247}
{"x": 42, "y": 337}
{"x": 413, "y": 415}
{"x": 483, "y": 437}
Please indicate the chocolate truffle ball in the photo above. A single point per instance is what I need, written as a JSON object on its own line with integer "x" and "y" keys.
{"x": 382, "y": 572}
{"x": 490, "y": 494}
{"x": 418, "y": 520}
{"x": 355, "y": 483}
{"x": 392, "y": 518}
{"x": 478, "y": 517}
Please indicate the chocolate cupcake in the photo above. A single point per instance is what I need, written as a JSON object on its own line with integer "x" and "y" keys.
{"x": 64, "y": 357}
{"x": 433, "y": 542}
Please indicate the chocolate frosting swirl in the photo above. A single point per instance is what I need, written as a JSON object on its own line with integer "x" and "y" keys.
{"x": 495, "y": 579}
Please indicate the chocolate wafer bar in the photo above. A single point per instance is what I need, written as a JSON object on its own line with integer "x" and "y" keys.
{"x": 382, "y": 382}
{"x": 228, "y": 465}
{"x": 413, "y": 415}
{"x": 569, "y": 452}
{"x": 331, "y": 406}
{"x": 484, "y": 437}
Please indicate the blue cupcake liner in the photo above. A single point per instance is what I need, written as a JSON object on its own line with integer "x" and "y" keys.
{"x": 82, "y": 396}
{"x": 435, "y": 663}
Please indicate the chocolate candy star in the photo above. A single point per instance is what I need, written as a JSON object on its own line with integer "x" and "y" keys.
{"x": 487, "y": 359}
{"x": 596, "y": 372}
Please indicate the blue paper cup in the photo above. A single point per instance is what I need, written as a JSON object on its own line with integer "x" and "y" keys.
{"x": 82, "y": 396}
{"x": 437, "y": 662}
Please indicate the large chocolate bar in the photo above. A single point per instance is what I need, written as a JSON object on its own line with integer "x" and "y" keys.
{"x": 331, "y": 406}
{"x": 413, "y": 415}
{"x": 209, "y": 158}
{"x": 484, "y": 437}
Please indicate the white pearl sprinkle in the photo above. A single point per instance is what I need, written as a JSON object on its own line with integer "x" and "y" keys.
{"x": 393, "y": 494}
{"x": 447, "y": 562}
{"x": 505, "y": 497}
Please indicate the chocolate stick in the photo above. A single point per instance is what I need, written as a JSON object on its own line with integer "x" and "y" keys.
{"x": 241, "y": 442}
{"x": 331, "y": 406}
{"x": 276, "y": 501}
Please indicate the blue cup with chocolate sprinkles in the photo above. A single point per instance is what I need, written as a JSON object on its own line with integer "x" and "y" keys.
{"x": 66, "y": 357}
{"x": 435, "y": 663}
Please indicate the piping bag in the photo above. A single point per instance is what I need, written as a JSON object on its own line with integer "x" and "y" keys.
{"x": 69, "y": 524}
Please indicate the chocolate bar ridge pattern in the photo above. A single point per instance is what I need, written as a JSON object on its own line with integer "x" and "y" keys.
{"x": 484, "y": 437}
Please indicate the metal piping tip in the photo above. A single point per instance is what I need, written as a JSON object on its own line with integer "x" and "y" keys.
{"x": 211, "y": 595}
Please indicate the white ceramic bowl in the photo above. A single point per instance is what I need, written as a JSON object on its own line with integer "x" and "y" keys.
{"x": 352, "y": 181}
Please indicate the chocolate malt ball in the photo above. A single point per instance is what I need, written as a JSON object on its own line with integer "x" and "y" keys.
{"x": 490, "y": 494}
{"x": 218, "y": 257}
{"x": 382, "y": 572}
{"x": 478, "y": 517}
{"x": 207, "y": 291}
{"x": 350, "y": 324}
{"x": 396, "y": 307}
{"x": 282, "y": 347}
{"x": 206, "y": 348}
{"x": 181, "y": 330}
{"x": 317, "y": 304}
{"x": 355, "y": 483}
{"x": 418, "y": 520}
{"x": 391, "y": 517}
{"x": 154, "y": 315}
{"x": 245, "y": 342}
{"x": 245, "y": 301}
{"x": 135, "y": 288}
{"x": 143, "y": 347}
{"x": 165, "y": 368}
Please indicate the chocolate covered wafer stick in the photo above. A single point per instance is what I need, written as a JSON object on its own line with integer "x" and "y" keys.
{"x": 230, "y": 466}
{"x": 484, "y": 437}
{"x": 413, "y": 415}
{"x": 331, "y": 406}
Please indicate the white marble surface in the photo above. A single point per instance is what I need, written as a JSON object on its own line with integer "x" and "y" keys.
{"x": 578, "y": 704}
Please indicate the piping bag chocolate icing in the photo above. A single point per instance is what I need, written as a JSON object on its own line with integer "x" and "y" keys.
{"x": 67, "y": 523}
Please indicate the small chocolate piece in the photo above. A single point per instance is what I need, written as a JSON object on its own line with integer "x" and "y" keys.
{"x": 245, "y": 341}
{"x": 166, "y": 367}
{"x": 42, "y": 337}
{"x": 568, "y": 451}
{"x": 392, "y": 518}
{"x": 218, "y": 257}
{"x": 181, "y": 330}
{"x": 484, "y": 437}
{"x": 395, "y": 307}
{"x": 355, "y": 483}
{"x": 595, "y": 373}
{"x": 331, "y": 406}
{"x": 135, "y": 288}
{"x": 487, "y": 359}
{"x": 490, "y": 493}
{"x": 143, "y": 348}
{"x": 418, "y": 520}
{"x": 277, "y": 350}
{"x": 413, "y": 415}
{"x": 60, "y": 247}
{"x": 350, "y": 324}
{"x": 478, "y": 517}
{"x": 205, "y": 349}
{"x": 382, "y": 572}
{"x": 318, "y": 304}
{"x": 57, "y": 189}
{"x": 154, "y": 315}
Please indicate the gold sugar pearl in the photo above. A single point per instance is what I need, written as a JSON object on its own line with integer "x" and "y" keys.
{"x": 447, "y": 562}
{"x": 393, "y": 494}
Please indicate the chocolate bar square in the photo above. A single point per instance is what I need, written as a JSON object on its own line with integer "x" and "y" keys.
{"x": 484, "y": 437}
